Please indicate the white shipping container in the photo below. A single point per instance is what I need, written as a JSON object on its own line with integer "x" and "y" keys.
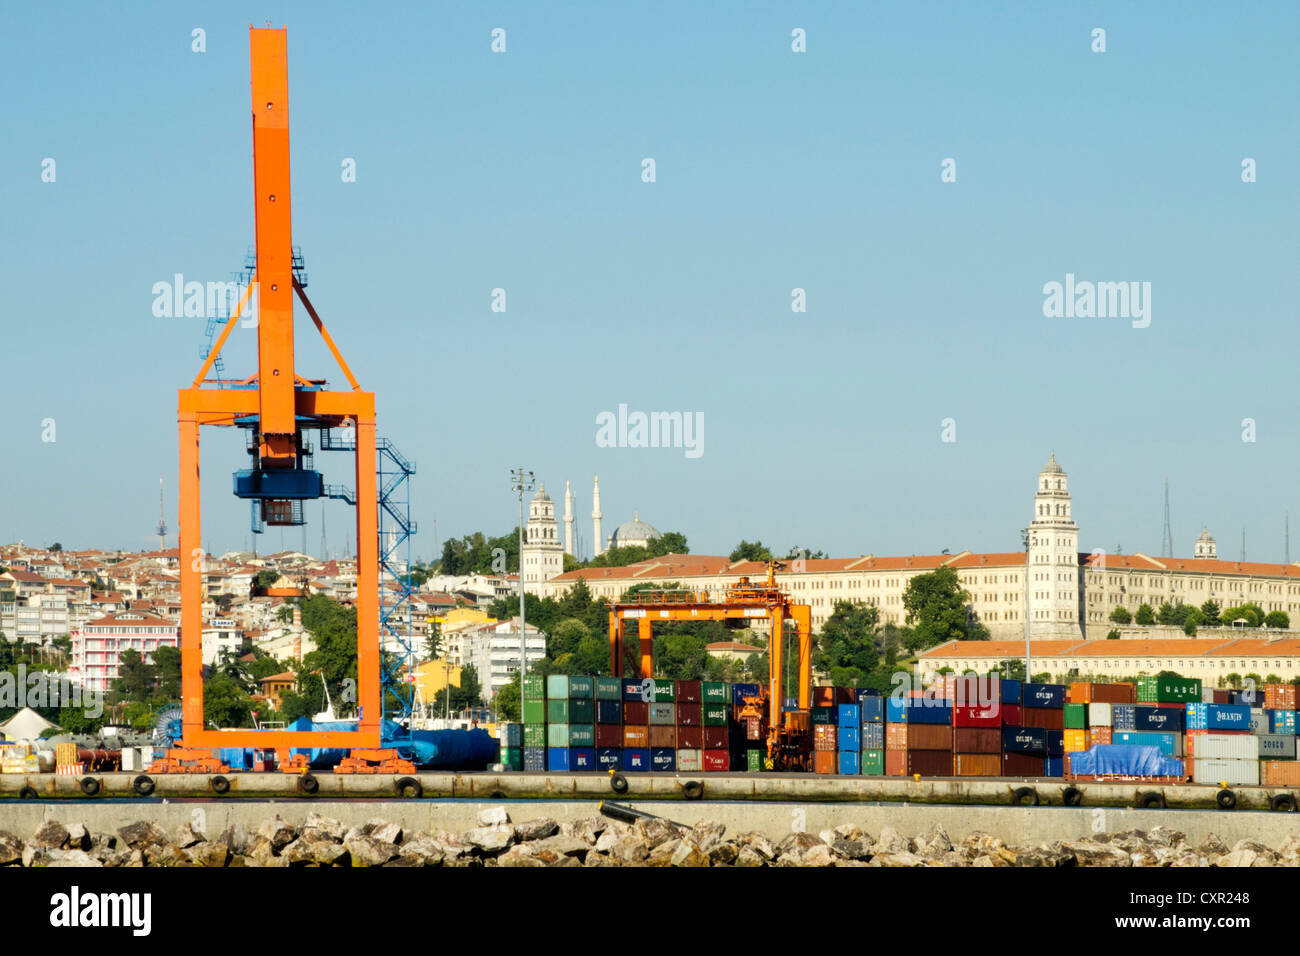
{"x": 690, "y": 760}
{"x": 1258, "y": 721}
{"x": 1237, "y": 772}
{"x": 1276, "y": 746}
{"x": 1207, "y": 695}
{"x": 1099, "y": 715}
{"x": 1226, "y": 747}
{"x": 130, "y": 759}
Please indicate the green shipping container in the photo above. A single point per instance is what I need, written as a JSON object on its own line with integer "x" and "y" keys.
{"x": 557, "y": 735}
{"x": 534, "y": 687}
{"x": 664, "y": 693}
{"x": 1076, "y": 716}
{"x": 823, "y": 715}
{"x": 582, "y": 735}
{"x": 873, "y": 763}
{"x": 582, "y": 712}
{"x": 534, "y": 735}
{"x": 609, "y": 688}
{"x": 582, "y": 688}
{"x": 557, "y": 687}
{"x": 716, "y": 692}
{"x": 557, "y": 712}
{"x": 753, "y": 760}
{"x": 715, "y": 715}
{"x": 1168, "y": 690}
{"x": 512, "y": 758}
{"x": 534, "y": 713}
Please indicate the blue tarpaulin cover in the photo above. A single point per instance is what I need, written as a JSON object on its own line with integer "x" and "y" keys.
{"x": 1129, "y": 760}
{"x": 440, "y": 749}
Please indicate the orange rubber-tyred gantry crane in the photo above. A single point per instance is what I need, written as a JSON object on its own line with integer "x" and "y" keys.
{"x": 278, "y": 406}
{"x": 741, "y": 601}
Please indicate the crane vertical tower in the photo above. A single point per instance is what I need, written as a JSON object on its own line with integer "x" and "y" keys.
{"x": 277, "y": 407}
{"x": 1167, "y": 546}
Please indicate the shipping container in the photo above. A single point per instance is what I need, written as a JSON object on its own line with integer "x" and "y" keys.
{"x": 1276, "y": 746}
{"x": 1280, "y": 696}
{"x": 1046, "y": 718}
{"x": 1099, "y": 715}
{"x": 1247, "y": 698}
{"x": 609, "y": 735}
{"x": 977, "y": 740}
{"x": 864, "y": 692}
{"x": 1211, "y": 746}
{"x": 1030, "y": 740}
{"x": 849, "y": 738}
{"x": 989, "y": 716}
{"x": 896, "y": 710}
{"x": 557, "y": 711}
{"x": 1099, "y": 736}
{"x": 1011, "y": 691}
{"x": 688, "y": 691}
{"x": 1076, "y": 740}
{"x": 636, "y": 736}
{"x": 739, "y": 692}
{"x": 753, "y": 728}
{"x": 1282, "y": 722}
{"x": 1121, "y": 716}
{"x": 1076, "y": 717}
{"x": 824, "y": 737}
{"x": 1219, "y": 697}
{"x": 535, "y": 712}
{"x": 717, "y": 760}
{"x": 930, "y": 763}
{"x": 1043, "y": 695}
{"x": 849, "y": 715}
{"x": 636, "y": 712}
{"x": 716, "y": 738}
{"x": 873, "y": 762}
{"x": 824, "y": 761}
{"x": 636, "y": 688}
{"x": 1170, "y": 744}
{"x": 930, "y": 712}
{"x": 1055, "y": 743}
{"x": 609, "y": 711}
{"x": 663, "y": 759}
{"x": 557, "y": 735}
{"x": 1023, "y": 765}
{"x": 929, "y": 737}
{"x": 534, "y": 759}
{"x": 1169, "y": 689}
{"x": 1241, "y": 773}
{"x": 663, "y": 713}
{"x": 608, "y": 688}
{"x": 873, "y": 736}
{"x": 557, "y": 758}
{"x": 636, "y": 759}
{"x": 535, "y": 735}
{"x": 715, "y": 715}
{"x": 1280, "y": 773}
{"x": 1011, "y": 714}
{"x": 823, "y": 696}
{"x": 1054, "y": 766}
{"x": 895, "y": 736}
{"x": 978, "y": 764}
{"x": 582, "y": 710}
{"x": 510, "y": 734}
{"x": 582, "y": 735}
{"x": 557, "y": 687}
{"x": 662, "y": 736}
{"x": 664, "y": 691}
{"x": 582, "y": 688}
{"x": 512, "y": 758}
{"x": 689, "y": 715}
{"x": 690, "y": 738}
{"x": 609, "y": 758}
{"x": 534, "y": 687}
{"x": 970, "y": 690}
{"x": 583, "y": 759}
{"x": 1258, "y": 720}
{"x": 850, "y": 762}
{"x": 1167, "y": 719}
{"x": 873, "y": 709}
{"x": 896, "y": 763}
{"x": 823, "y": 715}
{"x": 690, "y": 761}
{"x": 1218, "y": 717}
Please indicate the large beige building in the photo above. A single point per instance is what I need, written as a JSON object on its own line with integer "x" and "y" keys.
{"x": 1070, "y": 594}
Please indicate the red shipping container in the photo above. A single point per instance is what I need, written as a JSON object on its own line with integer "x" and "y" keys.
{"x": 689, "y": 715}
{"x": 636, "y": 736}
{"x": 1280, "y": 696}
{"x": 990, "y": 716}
{"x": 825, "y": 761}
{"x": 978, "y": 765}
{"x": 609, "y": 735}
{"x": 715, "y": 760}
{"x": 1010, "y": 715}
{"x": 895, "y": 736}
{"x": 1085, "y": 693}
{"x": 929, "y": 737}
{"x": 977, "y": 740}
{"x": 663, "y": 735}
{"x": 1222, "y": 696}
{"x": 824, "y": 737}
{"x": 687, "y": 692}
{"x": 636, "y": 712}
{"x": 1022, "y": 765}
{"x": 1046, "y": 718}
{"x": 1098, "y": 736}
{"x": 1175, "y": 705}
{"x": 716, "y": 738}
{"x": 930, "y": 763}
{"x": 1280, "y": 773}
{"x": 690, "y": 738}
{"x": 845, "y": 695}
{"x": 823, "y": 697}
{"x": 895, "y": 763}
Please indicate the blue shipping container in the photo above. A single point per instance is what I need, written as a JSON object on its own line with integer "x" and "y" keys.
{"x": 1043, "y": 695}
{"x": 636, "y": 759}
{"x": 1024, "y": 740}
{"x": 535, "y": 759}
{"x": 1011, "y": 691}
{"x": 850, "y": 715}
{"x": 867, "y": 692}
{"x": 930, "y": 714}
{"x": 557, "y": 758}
{"x": 1218, "y": 717}
{"x": 1247, "y": 698}
{"x": 1167, "y": 742}
{"x": 740, "y": 691}
{"x": 918, "y": 710}
{"x": 1056, "y": 743}
{"x": 582, "y": 758}
{"x": 850, "y": 762}
{"x": 633, "y": 690}
{"x": 609, "y": 711}
{"x": 1122, "y": 716}
{"x": 1157, "y": 718}
{"x": 849, "y": 738}
{"x": 873, "y": 736}
{"x": 663, "y": 759}
{"x": 1282, "y": 721}
{"x": 873, "y": 710}
{"x": 609, "y": 758}
{"x": 1053, "y": 766}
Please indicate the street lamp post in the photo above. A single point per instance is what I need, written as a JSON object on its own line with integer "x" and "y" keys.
{"x": 522, "y": 481}
{"x": 1024, "y": 537}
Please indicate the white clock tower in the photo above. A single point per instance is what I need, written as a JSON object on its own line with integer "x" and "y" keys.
{"x": 1054, "y": 575}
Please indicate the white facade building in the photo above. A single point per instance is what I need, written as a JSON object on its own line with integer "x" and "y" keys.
{"x": 1054, "y": 607}
{"x": 494, "y": 652}
{"x": 543, "y": 554}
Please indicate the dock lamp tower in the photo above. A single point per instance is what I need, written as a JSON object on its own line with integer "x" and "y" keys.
{"x": 1024, "y": 537}
{"x": 522, "y": 481}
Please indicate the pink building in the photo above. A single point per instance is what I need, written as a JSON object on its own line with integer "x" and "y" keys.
{"x": 97, "y": 645}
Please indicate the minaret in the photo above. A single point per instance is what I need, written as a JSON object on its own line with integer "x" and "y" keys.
{"x": 597, "y": 541}
{"x": 1054, "y": 559}
{"x": 568, "y": 519}
{"x": 162, "y": 523}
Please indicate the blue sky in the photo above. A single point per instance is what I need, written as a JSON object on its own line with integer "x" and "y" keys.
{"x": 775, "y": 170}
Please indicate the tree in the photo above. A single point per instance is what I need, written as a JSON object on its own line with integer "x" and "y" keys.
{"x": 167, "y": 670}
{"x": 1210, "y": 612}
{"x": 135, "y": 677}
{"x": 1252, "y": 614}
{"x": 264, "y": 579}
{"x": 1277, "y": 619}
{"x": 1145, "y": 616}
{"x": 1191, "y": 618}
{"x": 1233, "y": 679}
{"x": 846, "y": 647}
{"x": 939, "y": 609}
{"x": 1112, "y": 635}
{"x": 284, "y": 614}
{"x": 1166, "y": 614}
{"x": 433, "y": 642}
{"x": 225, "y": 704}
{"x": 1121, "y": 615}
{"x": 334, "y": 628}
{"x": 751, "y": 551}
{"x": 507, "y": 700}
{"x": 56, "y": 547}
{"x": 465, "y": 696}
{"x": 796, "y": 553}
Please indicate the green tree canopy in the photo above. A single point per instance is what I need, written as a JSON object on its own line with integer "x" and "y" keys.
{"x": 1121, "y": 615}
{"x": 751, "y": 551}
{"x": 846, "y": 647}
{"x": 938, "y": 608}
{"x": 1145, "y": 616}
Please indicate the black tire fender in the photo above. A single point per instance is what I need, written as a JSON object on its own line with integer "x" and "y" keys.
{"x": 692, "y": 789}
{"x": 219, "y": 784}
{"x": 143, "y": 785}
{"x": 618, "y": 783}
{"x": 1152, "y": 800}
{"x": 1071, "y": 796}
{"x": 308, "y": 784}
{"x": 89, "y": 786}
{"x": 1284, "y": 802}
{"x": 1225, "y": 799}
{"x": 409, "y": 788}
{"x": 28, "y": 793}
{"x": 1021, "y": 794}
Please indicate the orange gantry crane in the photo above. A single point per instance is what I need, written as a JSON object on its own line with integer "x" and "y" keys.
{"x": 743, "y": 600}
{"x": 277, "y": 407}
